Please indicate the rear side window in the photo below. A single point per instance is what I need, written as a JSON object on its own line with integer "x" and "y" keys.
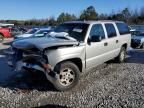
{"x": 110, "y": 30}
{"x": 97, "y": 30}
{"x": 123, "y": 28}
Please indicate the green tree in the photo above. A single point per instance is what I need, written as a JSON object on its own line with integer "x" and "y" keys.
{"x": 52, "y": 21}
{"x": 66, "y": 17}
{"x": 126, "y": 15}
{"x": 61, "y": 18}
{"x": 89, "y": 14}
{"x": 103, "y": 17}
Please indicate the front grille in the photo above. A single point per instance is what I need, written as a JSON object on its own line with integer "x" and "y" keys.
{"x": 35, "y": 56}
{"x": 30, "y": 56}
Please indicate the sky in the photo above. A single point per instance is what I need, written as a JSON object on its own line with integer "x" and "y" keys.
{"x": 29, "y": 9}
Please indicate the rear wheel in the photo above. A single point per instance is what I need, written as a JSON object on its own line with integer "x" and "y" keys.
{"x": 121, "y": 57}
{"x": 68, "y": 76}
{"x": 1, "y": 38}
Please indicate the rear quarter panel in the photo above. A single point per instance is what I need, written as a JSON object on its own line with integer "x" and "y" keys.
{"x": 125, "y": 39}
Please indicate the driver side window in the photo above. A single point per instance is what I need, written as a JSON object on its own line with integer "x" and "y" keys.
{"x": 97, "y": 30}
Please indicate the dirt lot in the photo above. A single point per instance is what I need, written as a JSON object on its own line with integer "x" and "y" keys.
{"x": 109, "y": 85}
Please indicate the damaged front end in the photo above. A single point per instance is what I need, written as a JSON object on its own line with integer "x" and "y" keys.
{"x": 32, "y": 55}
{"x": 29, "y": 58}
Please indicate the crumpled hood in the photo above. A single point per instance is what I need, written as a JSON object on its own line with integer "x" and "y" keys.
{"x": 42, "y": 43}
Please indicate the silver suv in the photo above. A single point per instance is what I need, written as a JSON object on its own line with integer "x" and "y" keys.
{"x": 71, "y": 49}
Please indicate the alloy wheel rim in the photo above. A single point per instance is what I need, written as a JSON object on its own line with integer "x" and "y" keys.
{"x": 66, "y": 77}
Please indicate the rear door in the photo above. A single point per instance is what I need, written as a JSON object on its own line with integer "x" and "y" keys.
{"x": 124, "y": 34}
{"x": 112, "y": 40}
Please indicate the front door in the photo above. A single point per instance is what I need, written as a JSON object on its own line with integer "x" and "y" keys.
{"x": 95, "y": 51}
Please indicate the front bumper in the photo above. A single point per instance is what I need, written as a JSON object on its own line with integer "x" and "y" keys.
{"x": 33, "y": 67}
{"x": 31, "y": 62}
{"x": 22, "y": 64}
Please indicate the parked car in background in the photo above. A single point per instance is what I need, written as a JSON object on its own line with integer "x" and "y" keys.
{"x": 15, "y": 31}
{"x": 72, "y": 48}
{"x": 38, "y": 33}
{"x": 4, "y": 33}
{"x": 8, "y": 32}
{"x": 27, "y": 34}
{"x": 22, "y": 29}
{"x": 135, "y": 32}
{"x": 42, "y": 32}
{"x": 137, "y": 39}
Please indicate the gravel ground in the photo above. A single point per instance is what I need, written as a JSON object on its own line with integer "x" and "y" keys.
{"x": 109, "y": 85}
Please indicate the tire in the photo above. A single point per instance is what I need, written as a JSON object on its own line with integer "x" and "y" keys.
{"x": 1, "y": 38}
{"x": 68, "y": 76}
{"x": 142, "y": 46}
{"x": 122, "y": 55}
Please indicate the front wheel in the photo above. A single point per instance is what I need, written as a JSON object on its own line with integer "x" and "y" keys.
{"x": 68, "y": 76}
{"x": 121, "y": 57}
{"x": 1, "y": 38}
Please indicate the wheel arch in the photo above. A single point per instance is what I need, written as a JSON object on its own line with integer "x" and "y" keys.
{"x": 76, "y": 61}
{"x": 125, "y": 45}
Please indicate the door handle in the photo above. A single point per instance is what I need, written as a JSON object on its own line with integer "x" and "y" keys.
{"x": 105, "y": 44}
{"x": 117, "y": 41}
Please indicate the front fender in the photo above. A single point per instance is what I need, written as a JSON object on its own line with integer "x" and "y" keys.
{"x": 56, "y": 56}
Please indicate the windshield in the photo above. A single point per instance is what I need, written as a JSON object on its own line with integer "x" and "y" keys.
{"x": 31, "y": 31}
{"x": 75, "y": 30}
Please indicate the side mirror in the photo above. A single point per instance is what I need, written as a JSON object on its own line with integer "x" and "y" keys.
{"x": 95, "y": 38}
